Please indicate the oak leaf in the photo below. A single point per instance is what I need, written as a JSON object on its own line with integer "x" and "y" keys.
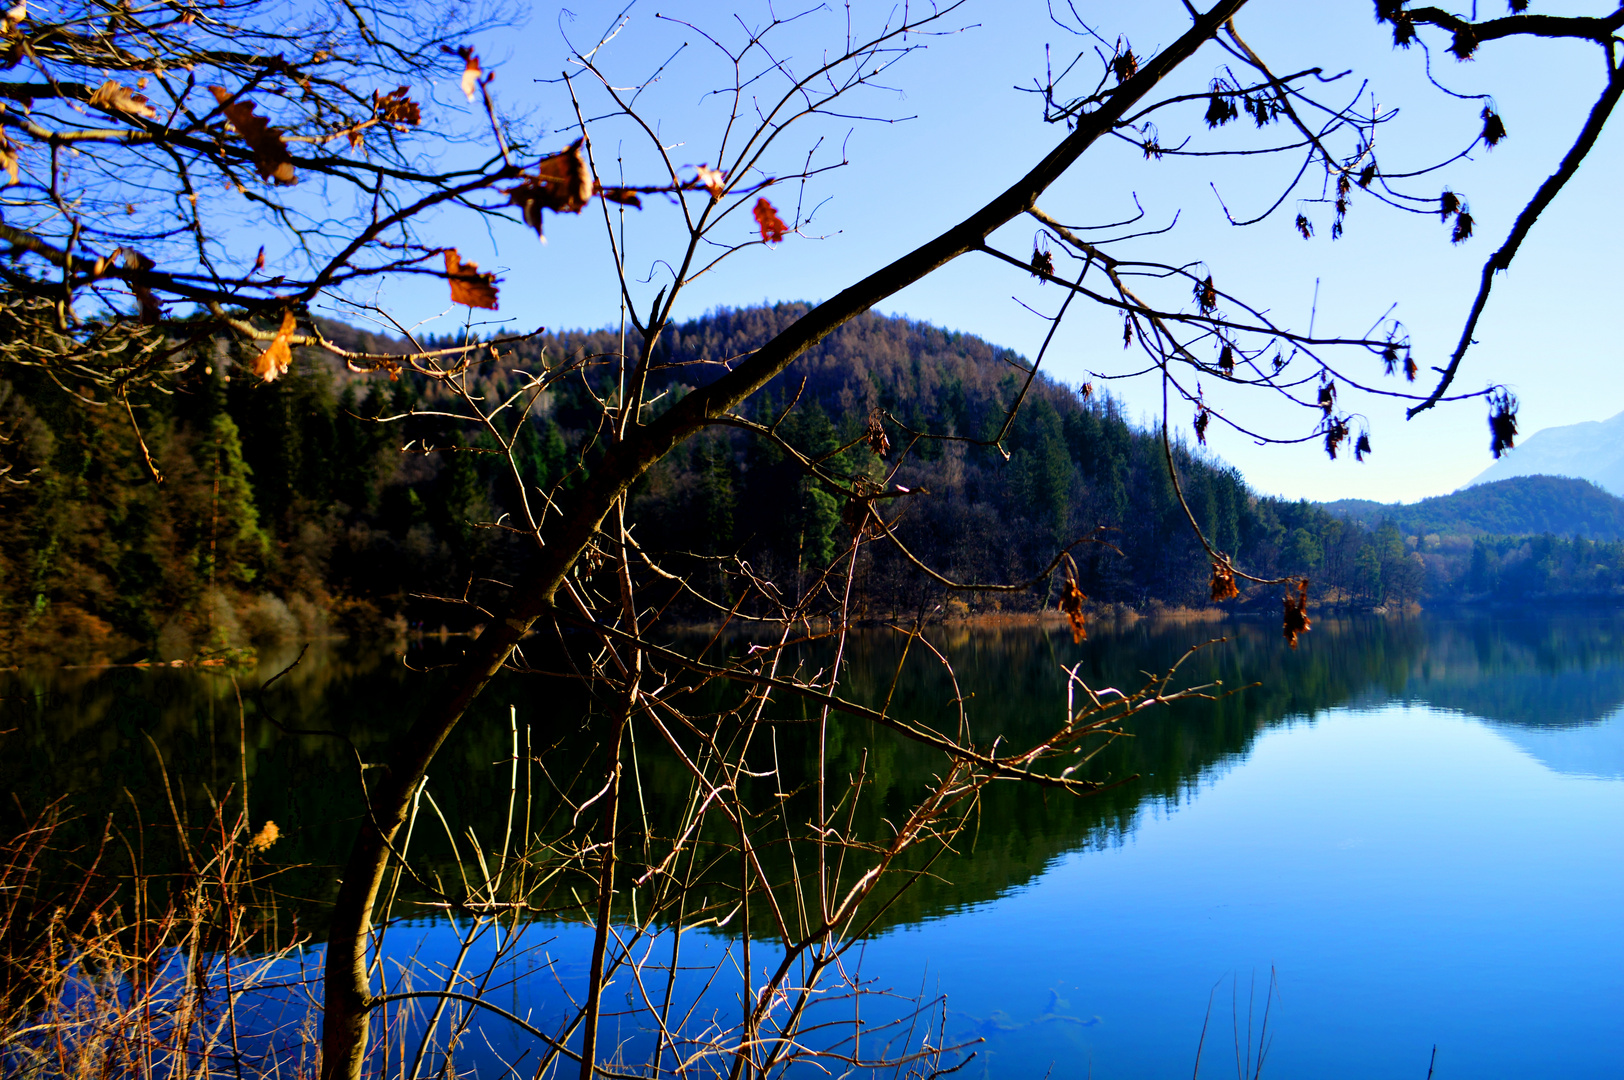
{"x": 1502, "y": 423}
{"x": 151, "y": 310}
{"x": 1206, "y": 295}
{"x": 470, "y": 71}
{"x": 1042, "y": 264}
{"x": 1125, "y": 65}
{"x": 277, "y": 358}
{"x": 468, "y": 285}
{"x": 1071, "y": 604}
{"x": 396, "y": 108}
{"x": 271, "y": 155}
{"x": 112, "y": 96}
{"x": 1295, "y": 614}
{"x": 1220, "y": 106}
{"x": 878, "y": 441}
{"x": 561, "y": 183}
{"x": 1463, "y": 228}
{"x": 772, "y": 226}
{"x": 1335, "y": 432}
{"x": 1327, "y": 397}
{"x": 713, "y": 180}
{"x": 262, "y": 840}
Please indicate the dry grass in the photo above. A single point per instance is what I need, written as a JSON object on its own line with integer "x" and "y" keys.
{"x": 109, "y": 971}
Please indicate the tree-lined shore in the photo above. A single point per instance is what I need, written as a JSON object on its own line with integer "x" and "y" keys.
{"x": 326, "y": 502}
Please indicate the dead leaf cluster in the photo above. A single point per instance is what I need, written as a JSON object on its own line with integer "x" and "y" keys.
{"x": 1071, "y": 604}
{"x": 1295, "y": 610}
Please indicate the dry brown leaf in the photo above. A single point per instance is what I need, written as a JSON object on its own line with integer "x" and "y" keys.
{"x": 396, "y": 108}
{"x": 772, "y": 226}
{"x": 263, "y": 839}
{"x": 1042, "y": 264}
{"x": 470, "y": 71}
{"x": 271, "y": 155}
{"x": 259, "y": 260}
{"x": 1071, "y": 603}
{"x": 1206, "y": 295}
{"x": 623, "y": 196}
{"x": 278, "y": 356}
{"x": 713, "y": 180}
{"x": 1223, "y": 582}
{"x": 878, "y": 441}
{"x": 151, "y": 310}
{"x": 112, "y": 96}
{"x": 1502, "y": 423}
{"x": 1296, "y": 619}
{"x": 468, "y": 285}
{"x": 561, "y": 183}
{"x": 8, "y": 157}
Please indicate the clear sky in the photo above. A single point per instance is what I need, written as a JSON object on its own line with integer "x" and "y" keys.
{"x": 961, "y": 132}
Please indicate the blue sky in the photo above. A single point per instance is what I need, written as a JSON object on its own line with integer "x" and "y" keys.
{"x": 960, "y": 131}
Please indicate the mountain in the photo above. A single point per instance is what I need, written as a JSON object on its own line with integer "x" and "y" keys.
{"x": 1591, "y": 451}
{"x": 289, "y": 509}
{"x": 1519, "y": 506}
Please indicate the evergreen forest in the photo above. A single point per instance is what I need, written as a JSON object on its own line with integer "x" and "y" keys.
{"x": 330, "y": 502}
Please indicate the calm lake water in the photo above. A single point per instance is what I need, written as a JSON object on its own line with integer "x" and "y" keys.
{"x": 1417, "y": 826}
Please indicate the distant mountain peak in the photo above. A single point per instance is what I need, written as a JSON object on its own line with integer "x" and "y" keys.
{"x": 1516, "y": 506}
{"x": 1592, "y": 451}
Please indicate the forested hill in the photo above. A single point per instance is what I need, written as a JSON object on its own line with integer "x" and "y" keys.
{"x": 329, "y": 501}
{"x": 1520, "y": 506}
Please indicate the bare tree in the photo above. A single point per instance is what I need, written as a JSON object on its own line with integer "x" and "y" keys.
{"x": 582, "y": 600}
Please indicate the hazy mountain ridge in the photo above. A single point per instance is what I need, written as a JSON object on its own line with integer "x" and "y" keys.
{"x": 1518, "y": 506}
{"x": 1591, "y": 451}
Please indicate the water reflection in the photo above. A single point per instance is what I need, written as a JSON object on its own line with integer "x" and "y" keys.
{"x": 1543, "y": 682}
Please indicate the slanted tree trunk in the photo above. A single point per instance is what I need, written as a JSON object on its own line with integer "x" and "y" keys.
{"x": 348, "y": 989}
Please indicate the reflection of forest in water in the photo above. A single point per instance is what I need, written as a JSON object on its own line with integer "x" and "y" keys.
{"x": 83, "y": 732}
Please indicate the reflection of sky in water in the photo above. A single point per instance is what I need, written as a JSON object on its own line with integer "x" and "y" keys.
{"x": 1595, "y": 750}
{"x": 1413, "y": 876}
{"x": 1416, "y": 823}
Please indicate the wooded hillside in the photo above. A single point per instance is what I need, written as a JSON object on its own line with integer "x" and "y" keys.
{"x": 326, "y": 501}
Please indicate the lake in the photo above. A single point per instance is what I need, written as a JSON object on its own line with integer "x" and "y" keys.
{"x": 1409, "y": 834}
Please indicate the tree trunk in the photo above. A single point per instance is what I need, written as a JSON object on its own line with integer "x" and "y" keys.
{"x": 348, "y": 990}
